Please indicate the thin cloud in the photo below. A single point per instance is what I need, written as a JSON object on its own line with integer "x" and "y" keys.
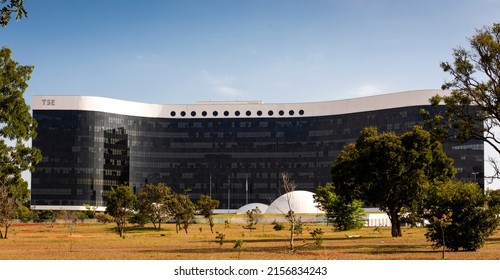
{"x": 366, "y": 90}
{"x": 222, "y": 86}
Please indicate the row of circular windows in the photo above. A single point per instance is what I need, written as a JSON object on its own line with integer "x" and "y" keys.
{"x": 237, "y": 113}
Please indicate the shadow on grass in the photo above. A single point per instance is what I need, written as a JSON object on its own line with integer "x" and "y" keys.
{"x": 226, "y": 248}
{"x": 297, "y": 239}
{"x": 138, "y": 229}
{"x": 307, "y": 248}
{"x": 388, "y": 249}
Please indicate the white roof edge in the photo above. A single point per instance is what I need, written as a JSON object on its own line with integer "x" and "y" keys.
{"x": 306, "y": 109}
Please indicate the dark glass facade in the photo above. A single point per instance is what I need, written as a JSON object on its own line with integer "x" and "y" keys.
{"x": 235, "y": 160}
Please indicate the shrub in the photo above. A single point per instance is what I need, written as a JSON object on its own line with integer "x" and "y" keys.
{"x": 278, "y": 226}
{"x": 138, "y": 219}
{"x": 42, "y": 216}
{"x": 220, "y": 238}
{"x": 317, "y": 234}
{"x": 471, "y": 223}
{"x": 104, "y": 218}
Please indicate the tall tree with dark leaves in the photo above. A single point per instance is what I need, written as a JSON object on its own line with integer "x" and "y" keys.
{"x": 17, "y": 128}
{"x": 472, "y": 110}
{"x": 206, "y": 206}
{"x": 10, "y": 7}
{"x": 152, "y": 201}
{"x": 390, "y": 171}
{"x": 120, "y": 204}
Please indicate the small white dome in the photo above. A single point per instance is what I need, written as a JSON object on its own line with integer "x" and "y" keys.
{"x": 262, "y": 207}
{"x": 300, "y": 202}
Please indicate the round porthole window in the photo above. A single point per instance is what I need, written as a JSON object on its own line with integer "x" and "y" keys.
{"x": 183, "y": 113}
{"x": 237, "y": 113}
{"x": 193, "y": 113}
{"x": 301, "y": 112}
{"x": 204, "y": 113}
{"x": 270, "y": 113}
{"x": 249, "y": 113}
{"x": 172, "y": 113}
{"x": 226, "y": 113}
{"x": 281, "y": 112}
{"x": 291, "y": 112}
{"x": 259, "y": 113}
{"x": 215, "y": 113}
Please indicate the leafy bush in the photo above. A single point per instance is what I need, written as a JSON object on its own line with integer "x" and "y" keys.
{"x": 138, "y": 219}
{"x": 342, "y": 213}
{"x": 104, "y": 218}
{"x": 317, "y": 234}
{"x": 41, "y": 216}
{"x": 220, "y": 238}
{"x": 278, "y": 226}
{"x": 471, "y": 223}
{"x": 24, "y": 213}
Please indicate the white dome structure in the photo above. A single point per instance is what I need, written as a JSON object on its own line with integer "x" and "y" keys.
{"x": 243, "y": 209}
{"x": 300, "y": 202}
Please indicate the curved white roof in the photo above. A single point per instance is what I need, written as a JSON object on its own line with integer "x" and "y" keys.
{"x": 300, "y": 202}
{"x": 250, "y": 109}
{"x": 243, "y": 209}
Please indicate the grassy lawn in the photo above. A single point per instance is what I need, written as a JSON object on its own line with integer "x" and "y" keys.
{"x": 97, "y": 241}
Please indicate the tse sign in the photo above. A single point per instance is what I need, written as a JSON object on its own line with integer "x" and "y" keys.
{"x": 49, "y": 102}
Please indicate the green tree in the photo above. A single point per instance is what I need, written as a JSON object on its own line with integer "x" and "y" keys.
{"x": 152, "y": 202}
{"x": 119, "y": 204}
{"x": 7, "y": 208}
{"x": 10, "y": 7}
{"x": 206, "y": 206}
{"x": 253, "y": 217}
{"x": 471, "y": 223}
{"x": 138, "y": 219}
{"x": 343, "y": 214}
{"x": 17, "y": 127}
{"x": 42, "y": 216}
{"x": 493, "y": 197}
{"x": 183, "y": 211}
{"x": 472, "y": 109}
{"x": 390, "y": 171}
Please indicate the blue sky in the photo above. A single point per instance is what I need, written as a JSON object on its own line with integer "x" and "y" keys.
{"x": 269, "y": 50}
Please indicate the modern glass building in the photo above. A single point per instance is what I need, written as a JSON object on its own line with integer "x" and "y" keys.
{"x": 232, "y": 151}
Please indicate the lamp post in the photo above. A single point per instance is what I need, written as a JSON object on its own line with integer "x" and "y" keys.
{"x": 246, "y": 189}
{"x": 229, "y": 193}
{"x": 475, "y": 173}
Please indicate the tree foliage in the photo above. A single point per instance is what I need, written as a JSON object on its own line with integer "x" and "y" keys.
{"x": 183, "y": 209}
{"x": 253, "y": 217}
{"x": 152, "y": 201}
{"x": 341, "y": 213}
{"x": 493, "y": 198}
{"x": 17, "y": 127}
{"x": 471, "y": 222}
{"x": 472, "y": 109}
{"x": 9, "y": 7}
{"x": 119, "y": 204}
{"x": 390, "y": 171}
{"x": 206, "y": 206}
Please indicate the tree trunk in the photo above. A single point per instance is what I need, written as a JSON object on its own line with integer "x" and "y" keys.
{"x": 395, "y": 223}
{"x": 211, "y": 222}
{"x": 120, "y": 230}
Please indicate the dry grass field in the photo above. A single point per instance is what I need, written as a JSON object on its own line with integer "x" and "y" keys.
{"x": 97, "y": 242}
